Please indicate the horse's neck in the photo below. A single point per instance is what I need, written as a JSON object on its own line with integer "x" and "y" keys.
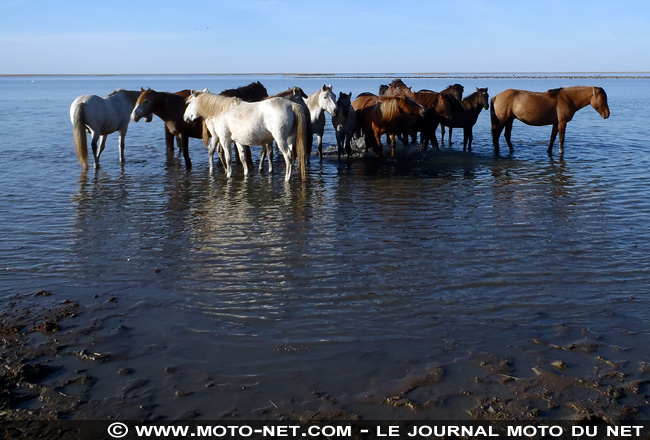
{"x": 132, "y": 96}
{"x": 579, "y": 96}
{"x": 314, "y": 108}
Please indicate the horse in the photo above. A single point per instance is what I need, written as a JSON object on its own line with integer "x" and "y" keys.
{"x": 466, "y": 115}
{"x": 252, "y": 123}
{"x": 454, "y": 91}
{"x": 319, "y": 102}
{"x": 380, "y": 115}
{"x": 438, "y": 109}
{"x": 101, "y": 117}
{"x": 252, "y": 92}
{"x": 298, "y": 96}
{"x": 396, "y": 88}
{"x": 344, "y": 122}
{"x": 555, "y": 107}
{"x": 170, "y": 107}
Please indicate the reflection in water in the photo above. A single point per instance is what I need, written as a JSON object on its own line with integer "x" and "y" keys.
{"x": 368, "y": 275}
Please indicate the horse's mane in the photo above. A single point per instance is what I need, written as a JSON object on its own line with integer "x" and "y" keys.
{"x": 212, "y": 105}
{"x": 390, "y": 108}
{"x": 554, "y": 92}
{"x": 252, "y": 92}
{"x": 290, "y": 92}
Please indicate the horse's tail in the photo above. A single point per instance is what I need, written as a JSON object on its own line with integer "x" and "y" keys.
{"x": 79, "y": 133}
{"x": 301, "y": 143}
{"x": 494, "y": 119}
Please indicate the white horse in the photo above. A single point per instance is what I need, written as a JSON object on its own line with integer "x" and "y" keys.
{"x": 252, "y": 123}
{"x": 344, "y": 122}
{"x": 320, "y": 102}
{"x": 101, "y": 117}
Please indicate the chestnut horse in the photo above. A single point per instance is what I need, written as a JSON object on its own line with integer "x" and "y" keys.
{"x": 396, "y": 88}
{"x": 380, "y": 115}
{"x": 465, "y": 117}
{"x": 454, "y": 91}
{"x": 555, "y": 107}
{"x": 438, "y": 109}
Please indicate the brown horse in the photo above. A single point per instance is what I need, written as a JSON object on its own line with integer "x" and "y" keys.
{"x": 380, "y": 115}
{"x": 396, "y": 88}
{"x": 555, "y": 107}
{"x": 466, "y": 115}
{"x": 170, "y": 108}
{"x": 454, "y": 91}
{"x": 438, "y": 109}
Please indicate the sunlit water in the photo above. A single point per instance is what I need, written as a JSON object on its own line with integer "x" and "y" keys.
{"x": 253, "y": 294}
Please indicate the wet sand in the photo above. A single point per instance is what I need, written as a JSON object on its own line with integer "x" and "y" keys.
{"x": 51, "y": 346}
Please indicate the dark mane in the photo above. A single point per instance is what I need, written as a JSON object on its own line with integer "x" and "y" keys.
{"x": 253, "y": 92}
{"x": 554, "y": 92}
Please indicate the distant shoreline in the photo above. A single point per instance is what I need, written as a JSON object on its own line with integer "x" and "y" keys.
{"x": 460, "y": 75}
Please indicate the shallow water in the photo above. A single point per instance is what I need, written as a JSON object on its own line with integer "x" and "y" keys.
{"x": 248, "y": 297}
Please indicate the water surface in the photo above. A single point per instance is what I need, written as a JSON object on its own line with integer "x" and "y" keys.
{"x": 252, "y": 298}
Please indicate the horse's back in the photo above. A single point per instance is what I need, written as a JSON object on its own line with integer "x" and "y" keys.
{"x": 532, "y": 108}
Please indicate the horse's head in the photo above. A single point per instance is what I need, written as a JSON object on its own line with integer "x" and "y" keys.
{"x": 456, "y": 90}
{"x": 191, "y": 111}
{"x": 483, "y": 97}
{"x": 443, "y": 107}
{"x": 411, "y": 107}
{"x": 143, "y": 106}
{"x": 327, "y": 100}
{"x": 599, "y": 102}
{"x": 343, "y": 103}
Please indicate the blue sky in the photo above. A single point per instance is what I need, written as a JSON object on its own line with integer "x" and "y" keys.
{"x": 287, "y": 36}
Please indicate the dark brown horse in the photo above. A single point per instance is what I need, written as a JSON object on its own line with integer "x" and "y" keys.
{"x": 555, "y": 107}
{"x": 383, "y": 115}
{"x": 251, "y": 93}
{"x": 438, "y": 109}
{"x": 465, "y": 116}
{"x": 454, "y": 91}
{"x": 170, "y": 108}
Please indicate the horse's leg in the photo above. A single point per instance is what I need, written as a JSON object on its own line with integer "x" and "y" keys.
{"x": 242, "y": 154}
{"x": 562, "y": 130}
{"x": 122, "y": 138}
{"x": 269, "y": 155}
{"x": 185, "y": 145}
{"x": 319, "y": 142}
{"x": 211, "y": 149}
{"x": 262, "y": 157}
{"x": 450, "y": 130}
{"x": 507, "y": 134}
{"x": 93, "y": 143}
{"x": 468, "y": 136}
{"x": 442, "y": 134}
{"x": 288, "y": 159}
{"x": 169, "y": 139}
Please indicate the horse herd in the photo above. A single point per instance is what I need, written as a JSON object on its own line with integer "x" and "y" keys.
{"x": 248, "y": 116}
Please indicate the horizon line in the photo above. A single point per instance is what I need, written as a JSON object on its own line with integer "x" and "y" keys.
{"x": 339, "y": 73}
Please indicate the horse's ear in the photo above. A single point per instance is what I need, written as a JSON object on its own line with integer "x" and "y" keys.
{"x": 141, "y": 89}
{"x": 596, "y": 91}
{"x": 324, "y": 87}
